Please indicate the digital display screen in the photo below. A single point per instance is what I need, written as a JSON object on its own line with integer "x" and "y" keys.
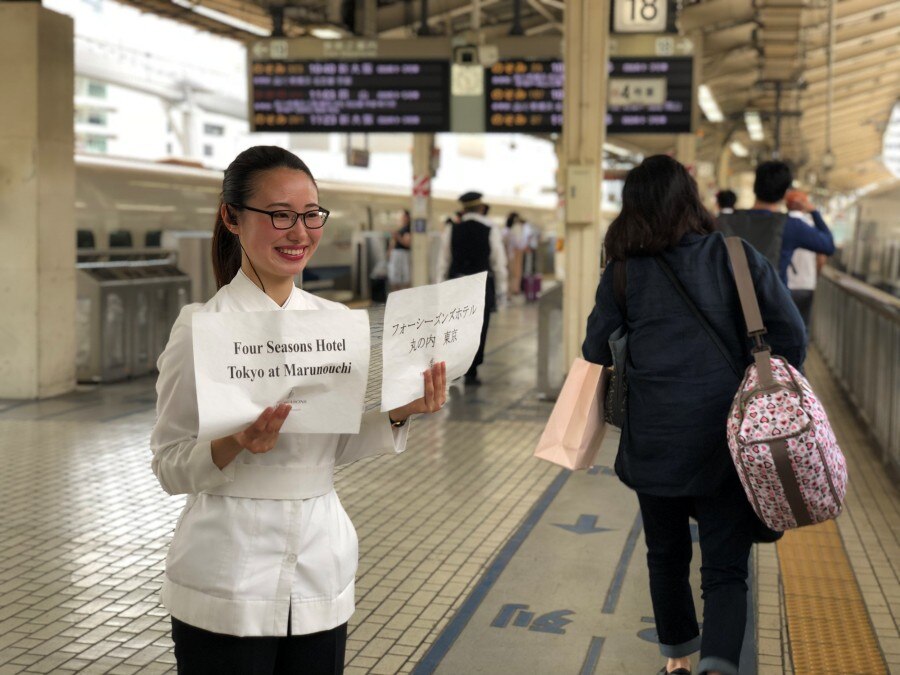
{"x": 649, "y": 95}
{"x": 523, "y": 95}
{"x": 645, "y": 95}
{"x": 351, "y": 96}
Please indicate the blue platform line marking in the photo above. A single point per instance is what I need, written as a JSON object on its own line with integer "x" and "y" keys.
{"x": 615, "y": 587}
{"x": 593, "y": 656}
{"x": 470, "y": 605}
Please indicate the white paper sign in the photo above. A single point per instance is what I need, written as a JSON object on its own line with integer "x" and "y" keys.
{"x": 425, "y": 325}
{"x": 316, "y": 360}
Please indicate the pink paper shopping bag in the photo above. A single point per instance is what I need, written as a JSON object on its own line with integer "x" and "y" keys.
{"x": 576, "y": 426}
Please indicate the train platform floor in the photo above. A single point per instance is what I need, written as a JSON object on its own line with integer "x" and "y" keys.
{"x": 477, "y": 558}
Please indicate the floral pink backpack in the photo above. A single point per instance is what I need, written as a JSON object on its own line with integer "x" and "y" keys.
{"x": 780, "y": 439}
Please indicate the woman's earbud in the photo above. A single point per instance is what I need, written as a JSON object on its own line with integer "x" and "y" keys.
{"x": 231, "y": 223}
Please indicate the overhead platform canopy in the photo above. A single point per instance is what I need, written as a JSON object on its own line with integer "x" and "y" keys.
{"x": 770, "y": 57}
{"x": 753, "y": 50}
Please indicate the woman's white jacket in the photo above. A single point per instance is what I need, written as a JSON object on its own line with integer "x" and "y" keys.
{"x": 241, "y": 563}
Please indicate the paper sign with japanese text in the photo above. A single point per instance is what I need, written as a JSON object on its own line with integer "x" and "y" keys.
{"x": 316, "y": 360}
{"x": 425, "y": 325}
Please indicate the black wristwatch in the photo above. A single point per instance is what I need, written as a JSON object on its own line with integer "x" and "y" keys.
{"x": 396, "y": 425}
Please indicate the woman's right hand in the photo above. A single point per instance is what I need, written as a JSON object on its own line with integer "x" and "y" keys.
{"x": 258, "y": 438}
{"x": 262, "y": 435}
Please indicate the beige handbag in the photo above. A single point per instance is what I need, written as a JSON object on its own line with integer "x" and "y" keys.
{"x": 576, "y": 426}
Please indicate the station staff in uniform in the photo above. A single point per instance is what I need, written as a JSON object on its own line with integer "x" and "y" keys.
{"x": 471, "y": 246}
{"x": 260, "y": 573}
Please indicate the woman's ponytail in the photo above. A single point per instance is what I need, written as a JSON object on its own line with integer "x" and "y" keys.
{"x": 226, "y": 251}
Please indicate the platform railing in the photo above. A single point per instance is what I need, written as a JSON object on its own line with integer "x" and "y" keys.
{"x": 856, "y": 328}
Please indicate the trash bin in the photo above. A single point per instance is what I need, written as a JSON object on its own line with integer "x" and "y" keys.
{"x": 550, "y": 368}
{"x": 125, "y": 312}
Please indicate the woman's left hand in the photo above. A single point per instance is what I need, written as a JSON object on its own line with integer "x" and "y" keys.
{"x": 434, "y": 398}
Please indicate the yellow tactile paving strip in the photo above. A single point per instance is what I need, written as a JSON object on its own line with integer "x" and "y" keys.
{"x": 828, "y": 624}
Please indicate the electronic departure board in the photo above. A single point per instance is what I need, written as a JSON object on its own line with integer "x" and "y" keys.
{"x": 523, "y": 95}
{"x": 351, "y": 96}
{"x": 649, "y": 95}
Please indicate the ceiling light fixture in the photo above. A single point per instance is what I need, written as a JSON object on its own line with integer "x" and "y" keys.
{"x": 326, "y": 32}
{"x": 708, "y": 105}
{"x": 738, "y": 149}
{"x": 221, "y": 17}
{"x": 754, "y": 125}
{"x": 890, "y": 147}
{"x": 614, "y": 149}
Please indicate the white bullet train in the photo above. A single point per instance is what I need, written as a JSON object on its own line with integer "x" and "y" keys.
{"x": 135, "y": 204}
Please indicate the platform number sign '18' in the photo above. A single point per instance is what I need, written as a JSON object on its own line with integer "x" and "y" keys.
{"x": 640, "y": 16}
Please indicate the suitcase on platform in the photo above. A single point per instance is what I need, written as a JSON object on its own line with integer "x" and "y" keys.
{"x": 531, "y": 286}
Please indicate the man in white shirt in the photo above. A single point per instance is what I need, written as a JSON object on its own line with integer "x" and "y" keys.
{"x": 804, "y": 267}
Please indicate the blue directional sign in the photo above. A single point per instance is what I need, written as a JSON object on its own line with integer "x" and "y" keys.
{"x": 586, "y": 524}
{"x": 520, "y": 617}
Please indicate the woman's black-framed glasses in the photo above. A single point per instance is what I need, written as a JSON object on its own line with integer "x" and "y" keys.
{"x": 285, "y": 220}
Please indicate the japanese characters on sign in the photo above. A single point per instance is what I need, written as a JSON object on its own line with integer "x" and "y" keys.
{"x": 426, "y": 333}
{"x": 366, "y": 95}
{"x": 625, "y": 91}
{"x": 425, "y": 325}
{"x": 524, "y": 95}
{"x": 649, "y": 95}
{"x": 646, "y": 94}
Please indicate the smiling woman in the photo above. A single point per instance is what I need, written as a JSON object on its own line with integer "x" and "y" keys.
{"x": 265, "y": 192}
{"x": 260, "y": 573}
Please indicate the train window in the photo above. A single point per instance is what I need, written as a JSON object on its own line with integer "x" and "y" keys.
{"x": 213, "y": 129}
{"x": 96, "y": 89}
{"x": 207, "y": 150}
{"x": 95, "y": 144}
{"x": 85, "y": 239}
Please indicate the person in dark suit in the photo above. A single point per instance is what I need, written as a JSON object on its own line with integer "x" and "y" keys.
{"x": 470, "y": 246}
{"x": 673, "y": 450}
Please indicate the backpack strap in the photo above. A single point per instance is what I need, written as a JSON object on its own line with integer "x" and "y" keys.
{"x": 762, "y": 352}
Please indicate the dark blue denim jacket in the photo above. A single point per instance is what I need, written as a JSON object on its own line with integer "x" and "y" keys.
{"x": 680, "y": 387}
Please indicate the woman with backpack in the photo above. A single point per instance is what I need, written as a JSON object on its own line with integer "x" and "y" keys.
{"x": 673, "y": 450}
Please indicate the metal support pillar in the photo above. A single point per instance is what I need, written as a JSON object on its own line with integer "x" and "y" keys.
{"x": 686, "y": 144}
{"x": 423, "y": 149}
{"x": 723, "y": 168}
{"x": 367, "y": 18}
{"x": 686, "y": 151}
{"x": 586, "y": 49}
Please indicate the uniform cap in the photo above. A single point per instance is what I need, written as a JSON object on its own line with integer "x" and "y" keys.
{"x": 470, "y": 199}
